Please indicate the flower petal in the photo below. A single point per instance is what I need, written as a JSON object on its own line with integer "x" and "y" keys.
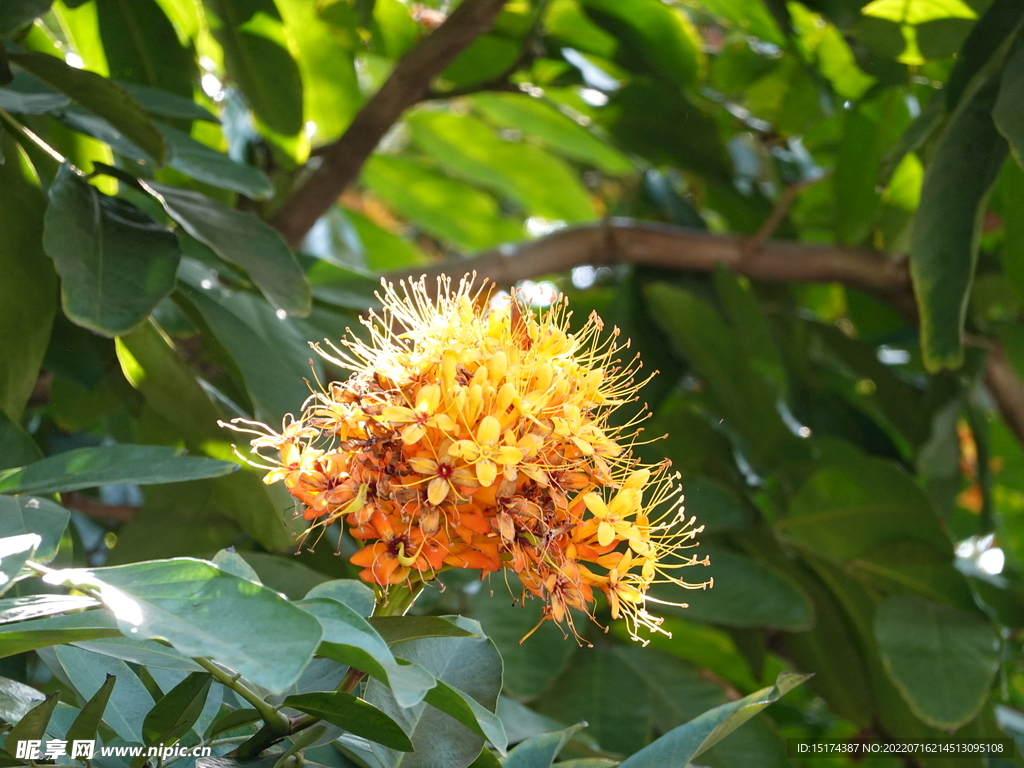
{"x": 486, "y": 472}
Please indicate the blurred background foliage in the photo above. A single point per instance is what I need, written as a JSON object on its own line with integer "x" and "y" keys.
{"x": 860, "y": 482}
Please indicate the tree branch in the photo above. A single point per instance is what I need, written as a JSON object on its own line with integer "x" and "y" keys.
{"x": 409, "y": 83}
{"x": 625, "y": 241}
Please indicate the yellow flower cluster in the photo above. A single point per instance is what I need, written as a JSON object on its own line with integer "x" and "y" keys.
{"x": 475, "y": 434}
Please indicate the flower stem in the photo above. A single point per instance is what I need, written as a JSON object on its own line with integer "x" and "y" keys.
{"x": 271, "y": 716}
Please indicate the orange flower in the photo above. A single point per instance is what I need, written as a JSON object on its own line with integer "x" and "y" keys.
{"x": 475, "y": 434}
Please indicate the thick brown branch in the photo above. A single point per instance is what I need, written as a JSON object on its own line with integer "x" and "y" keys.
{"x": 624, "y": 241}
{"x": 409, "y": 83}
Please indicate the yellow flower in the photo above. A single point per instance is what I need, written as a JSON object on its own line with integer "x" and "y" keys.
{"x": 485, "y": 453}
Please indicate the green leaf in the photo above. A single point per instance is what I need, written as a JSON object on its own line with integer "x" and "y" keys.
{"x": 242, "y": 239}
{"x": 467, "y": 711}
{"x": 14, "y": 552}
{"x": 34, "y": 515}
{"x": 470, "y": 664}
{"x": 530, "y": 667}
{"x": 25, "y": 95}
{"x": 207, "y": 164}
{"x": 150, "y": 363}
{"x": 88, "y": 721}
{"x": 427, "y": 199}
{"x": 679, "y": 746}
{"x": 202, "y": 611}
{"x": 354, "y": 715}
{"x": 115, "y": 262}
{"x": 28, "y": 290}
{"x": 100, "y": 96}
{"x": 16, "y": 447}
{"x": 143, "y": 652}
{"x": 21, "y": 637}
{"x": 15, "y": 14}
{"x": 947, "y": 227}
{"x": 357, "y": 595}
{"x": 110, "y": 465}
{"x": 15, "y": 609}
{"x": 232, "y": 720}
{"x": 538, "y": 182}
{"x": 987, "y": 41}
{"x": 129, "y": 701}
{"x": 256, "y": 57}
{"x": 402, "y": 629}
{"x": 177, "y": 711}
{"x": 33, "y": 725}
{"x": 164, "y": 104}
{"x": 349, "y": 639}
{"x": 229, "y": 561}
{"x": 558, "y": 131}
{"x": 747, "y": 593}
{"x": 1008, "y": 112}
{"x": 847, "y": 510}
{"x": 541, "y": 751}
{"x": 942, "y": 660}
{"x": 653, "y": 37}
{"x": 17, "y": 699}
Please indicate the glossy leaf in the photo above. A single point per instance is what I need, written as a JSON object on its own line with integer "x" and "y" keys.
{"x": 402, "y": 629}
{"x": 148, "y": 653}
{"x": 354, "y": 715}
{"x": 679, "y": 746}
{"x": 541, "y": 751}
{"x": 34, "y": 515}
{"x": 115, "y": 262}
{"x": 33, "y": 725}
{"x": 110, "y": 465}
{"x": 355, "y": 594}
{"x": 17, "y": 699}
{"x": 241, "y": 239}
{"x": 469, "y": 712}
{"x": 164, "y": 104}
{"x": 14, "y": 609}
{"x": 942, "y": 660}
{"x": 158, "y": 600}
{"x": 17, "y": 13}
{"x": 14, "y": 552}
{"x": 1008, "y": 112}
{"x": 99, "y": 95}
{"x": 28, "y": 289}
{"x": 944, "y": 243}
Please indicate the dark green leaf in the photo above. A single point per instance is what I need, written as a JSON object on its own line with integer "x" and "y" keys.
{"x": 33, "y": 725}
{"x": 231, "y": 721}
{"x": 848, "y": 510}
{"x": 942, "y": 660}
{"x": 34, "y": 515}
{"x": 99, "y": 95}
{"x": 679, "y": 746}
{"x": 29, "y": 287}
{"x": 110, "y": 465}
{"x": 241, "y": 239}
{"x": 165, "y": 104}
{"x": 115, "y": 262}
{"x": 202, "y": 611}
{"x": 541, "y": 751}
{"x": 944, "y": 242}
{"x": 37, "y": 606}
{"x": 6, "y": 76}
{"x": 747, "y": 593}
{"x": 256, "y": 56}
{"x": 179, "y": 709}
{"x": 16, "y": 447}
{"x": 401, "y": 629}
{"x": 15, "y": 14}
{"x": 988, "y": 38}
{"x": 207, "y": 164}
{"x": 467, "y": 711}
{"x": 141, "y": 45}
{"x": 27, "y": 636}
{"x": 471, "y": 664}
{"x": 1008, "y": 112}
{"x": 354, "y": 715}
{"x": 88, "y": 720}
{"x": 129, "y": 700}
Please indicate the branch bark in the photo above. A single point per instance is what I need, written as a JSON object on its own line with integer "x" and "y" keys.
{"x": 409, "y": 83}
{"x": 625, "y": 241}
